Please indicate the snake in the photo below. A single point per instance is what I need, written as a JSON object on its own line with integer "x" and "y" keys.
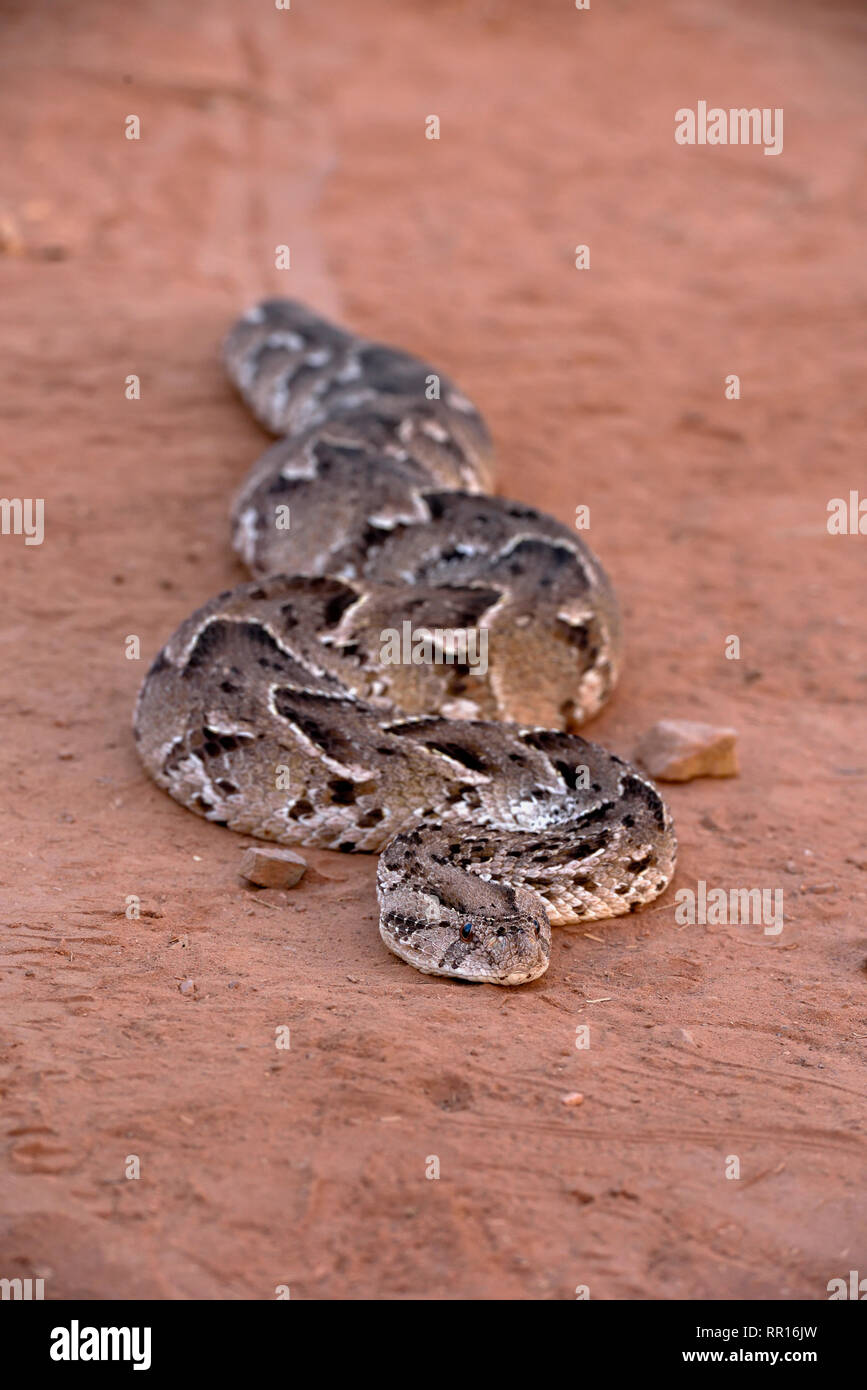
{"x": 407, "y": 668}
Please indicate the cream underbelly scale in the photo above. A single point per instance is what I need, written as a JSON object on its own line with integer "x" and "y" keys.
{"x": 273, "y": 711}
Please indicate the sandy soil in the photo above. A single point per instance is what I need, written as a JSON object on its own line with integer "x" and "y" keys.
{"x": 307, "y": 1167}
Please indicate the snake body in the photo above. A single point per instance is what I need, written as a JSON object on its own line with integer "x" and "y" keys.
{"x": 280, "y": 710}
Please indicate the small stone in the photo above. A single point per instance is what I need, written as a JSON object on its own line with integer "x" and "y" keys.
{"x": 459, "y": 709}
{"x": 11, "y": 240}
{"x": 859, "y": 861}
{"x": 572, "y": 1098}
{"x": 187, "y": 988}
{"x": 272, "y": 868}
{"x": 677, "y": 750}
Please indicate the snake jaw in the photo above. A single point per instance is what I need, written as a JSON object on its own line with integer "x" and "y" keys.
{"x": 519, "y": 967}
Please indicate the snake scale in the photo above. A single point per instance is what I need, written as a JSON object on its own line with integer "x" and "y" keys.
{"x": 278, "y": 709}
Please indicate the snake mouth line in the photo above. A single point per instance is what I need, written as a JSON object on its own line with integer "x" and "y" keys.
{"x": 511, "y": 980}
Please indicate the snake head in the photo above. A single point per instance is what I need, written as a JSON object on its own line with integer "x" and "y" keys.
{"x": 504, "y": 947}
{"x": 445, "y": 921}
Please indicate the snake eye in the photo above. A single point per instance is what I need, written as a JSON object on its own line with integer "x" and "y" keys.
{"x": 466, "y": 931}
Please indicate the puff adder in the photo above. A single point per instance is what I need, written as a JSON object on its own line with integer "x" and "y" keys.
{"x": 272, "y": 711}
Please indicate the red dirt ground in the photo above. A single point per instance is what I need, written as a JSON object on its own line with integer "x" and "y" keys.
{"x": 605, "y": 387}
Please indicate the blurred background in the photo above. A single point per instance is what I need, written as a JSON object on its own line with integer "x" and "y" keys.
{"x": 305, "y": 128}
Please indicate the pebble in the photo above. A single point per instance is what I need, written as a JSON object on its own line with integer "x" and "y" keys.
{"x": 572, "y": 1098}
{"x": 272, "y": 868}
{"x": 460, "y": 709}
{"x": 11, "y": 240}
{"x": 677, "y": 750}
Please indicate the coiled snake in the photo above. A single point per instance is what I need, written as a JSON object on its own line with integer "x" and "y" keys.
{"x": 335, "y": 700}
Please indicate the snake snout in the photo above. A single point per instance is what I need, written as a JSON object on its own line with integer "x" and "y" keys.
{"x": 519, "y": 952}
